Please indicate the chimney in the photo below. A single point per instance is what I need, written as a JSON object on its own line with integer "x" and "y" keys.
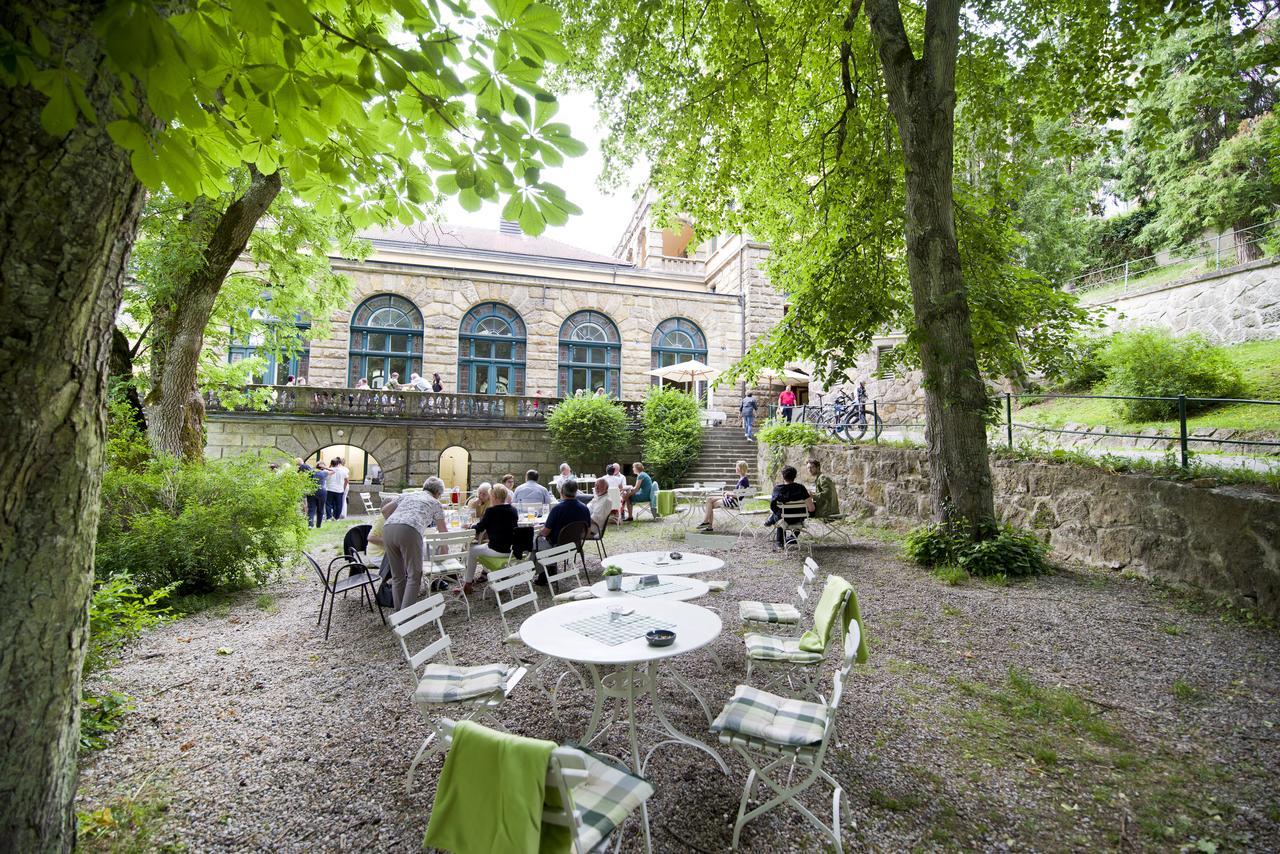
{"x": 509, "y": 226}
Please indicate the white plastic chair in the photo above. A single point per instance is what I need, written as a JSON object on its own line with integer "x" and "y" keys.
{"x": 594, "y": 797}
{"x": 776, "y": 734}
{"x": 439, "y": 565}
{"x": 447, "y": 688}
{"x": 778, "y": 614}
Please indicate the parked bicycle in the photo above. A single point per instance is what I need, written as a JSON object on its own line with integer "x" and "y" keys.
{"x": 845, "y": 418}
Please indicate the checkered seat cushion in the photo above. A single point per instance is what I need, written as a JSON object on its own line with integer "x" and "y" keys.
{"x": 759, "y": 715}
{"x": 769, "y": 612}
{"x": 773, "y": 648}
{"x": 444, "y": 683}
{"x": 605, "y": 800}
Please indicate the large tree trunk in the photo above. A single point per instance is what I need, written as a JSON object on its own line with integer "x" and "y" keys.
{"x": 175, "y": 412}
{"x": 68, "y": 214}
{"x": 1248, "y": 244}
{"x": 121, "y": 368}
{"x": 922, "y": 99}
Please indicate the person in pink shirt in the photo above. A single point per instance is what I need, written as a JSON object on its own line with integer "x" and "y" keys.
{"x": 786, "y": 401}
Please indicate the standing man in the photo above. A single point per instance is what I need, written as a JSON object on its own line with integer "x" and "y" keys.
{"x": 748, "y": 409}
{"x": 786, "y": 402}
{"x": 318, "y": 497}
{"x": 336, "y": 485}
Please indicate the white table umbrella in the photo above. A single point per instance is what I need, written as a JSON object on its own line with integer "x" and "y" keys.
{"x": 783, "y": 377}
{"x": 691, "y": 371}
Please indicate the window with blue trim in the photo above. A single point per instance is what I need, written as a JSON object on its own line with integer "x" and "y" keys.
{"x": 590, "y": 354}
{"x": 491, "y": 350}
{"x": 386, "y": 339}
{"x": 677, "y": 340}
{"x": 280, "y": 366}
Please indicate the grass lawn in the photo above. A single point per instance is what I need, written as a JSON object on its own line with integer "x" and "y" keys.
{"x": 1259, "y": 361}
{"x": 1157, "y": 276}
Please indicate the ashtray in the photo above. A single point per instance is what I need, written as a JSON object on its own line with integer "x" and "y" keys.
{"x": 676, "y": 556}
{"x": 660, "y": 637}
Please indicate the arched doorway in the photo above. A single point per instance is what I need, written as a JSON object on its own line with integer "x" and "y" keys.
{"x": 455, "y": 469}
{"x": 364, "y": 467}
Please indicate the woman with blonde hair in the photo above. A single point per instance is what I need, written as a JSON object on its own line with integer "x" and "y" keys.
{"x": 728, "y": 499}
{"x": 499, "y": 524}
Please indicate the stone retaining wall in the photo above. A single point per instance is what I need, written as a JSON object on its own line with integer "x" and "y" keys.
{"x": 1223, "y": 540}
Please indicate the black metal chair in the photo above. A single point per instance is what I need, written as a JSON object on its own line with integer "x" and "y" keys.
{"x": 598, "y": 538}
{"x": 360, "y": 577}
{"x": 355, "y": 549}
{"x": 575, "y": 533}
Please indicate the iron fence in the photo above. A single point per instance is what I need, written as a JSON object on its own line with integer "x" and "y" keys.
{"x": 1225, "y": 250}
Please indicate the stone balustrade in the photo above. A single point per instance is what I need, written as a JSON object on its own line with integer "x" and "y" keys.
{"x": 399, "y": 404}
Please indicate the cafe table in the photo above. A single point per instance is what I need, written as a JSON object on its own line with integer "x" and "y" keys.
{"x": 677, "y": 588}
{"x": 661, "y": 563}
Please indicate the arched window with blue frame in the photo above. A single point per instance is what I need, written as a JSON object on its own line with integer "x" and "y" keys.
{"x": 491, "y": 347}
{"x": 677, "y": 340}
{"x": 590, "y": 354}
{"x": 386, "y": 339}
{"x": 283, "y": 360}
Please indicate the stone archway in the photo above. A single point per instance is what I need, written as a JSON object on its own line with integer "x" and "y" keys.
{"x": 387, "y": 444}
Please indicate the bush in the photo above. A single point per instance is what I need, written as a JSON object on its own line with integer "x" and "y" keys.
{"x": 780, "y": 435}
{"x": 1154, "y": 363}
{"x": 672, "y": 433}
{"x": 1079, "y": 366}
{"x": 1007, "y": 551}
{"x": 592, "y": 430}
{"x": 198, "y": 527}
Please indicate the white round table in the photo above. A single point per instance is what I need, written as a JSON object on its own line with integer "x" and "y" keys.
{"x": 660, "y": 563}
{"x": 671, "y": 588}
{"x": 633, "y": 663}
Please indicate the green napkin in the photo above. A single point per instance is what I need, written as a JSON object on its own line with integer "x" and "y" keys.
{"x": 824, "y": 618}
{"x": 491, "y": 793}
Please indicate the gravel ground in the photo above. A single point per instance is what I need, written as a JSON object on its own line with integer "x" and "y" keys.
{"x": 1079, "y": 710}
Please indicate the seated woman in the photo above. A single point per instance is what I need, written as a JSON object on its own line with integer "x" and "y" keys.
{"x": 499, "y": 524}
{"x": 729, "y": 499}
{"x": 642, "y": 491}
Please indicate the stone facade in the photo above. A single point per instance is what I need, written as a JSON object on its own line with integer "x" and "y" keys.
{"x": 407, "y": 453}
{"x": 1223, "y": 540}
{"x": 1228, "y": 306}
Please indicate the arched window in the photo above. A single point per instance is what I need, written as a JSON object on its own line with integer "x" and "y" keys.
{"x": 287, "y": 354}
{"x": 386, "y": 338}
{"x": 491, "y": 351}
{"x": 590, "y": 354}
{"x": 677, "y": 340}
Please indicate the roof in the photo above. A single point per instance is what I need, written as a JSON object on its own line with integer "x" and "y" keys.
{"x": 466, "y": 238}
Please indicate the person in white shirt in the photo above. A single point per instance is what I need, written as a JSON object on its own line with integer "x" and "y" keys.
{"x": 417, "y": 383}
{"x": 600, "y": 506}
{"x": 614, "y": 477}
{"x": 531, "y": 492}
{"x": 336, "y": 485}
{"x": 566, "y": 473}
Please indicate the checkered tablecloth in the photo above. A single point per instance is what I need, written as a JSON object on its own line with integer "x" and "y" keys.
{"x": 610, "y": 631}
{"x": 666, "y": 588}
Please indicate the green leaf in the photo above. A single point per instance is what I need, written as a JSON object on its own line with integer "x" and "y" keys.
{"x": 127, "y": 133}
{"x": 59, "y": 115}
{"x": 470, "y": 200}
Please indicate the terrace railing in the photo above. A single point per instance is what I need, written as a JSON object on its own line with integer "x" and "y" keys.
{"x": 384, "y": 403}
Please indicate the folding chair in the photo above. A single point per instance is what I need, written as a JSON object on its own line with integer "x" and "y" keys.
{"x": 775, "y": 734}
{"x": 469, "y": 692}
{"x": 831, "y": 527}
{"x": 360, "y": 578}
{"x": 792, "y": 516}
{"x": 592, "y": 797}
{"x": 553, "y": 562}
{"x": 367, "y": 500}
{"x": 576, "y": 533}
{"x": 652, "y": 505}
{"x": 515, "y": 583}
{"x": 447, "y": 567}
{"x": 598, "y": 537}
{"x": 776, "y": 614}
{"x": 777, "y": 654}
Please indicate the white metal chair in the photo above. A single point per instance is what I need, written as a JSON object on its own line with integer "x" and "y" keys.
{"x": 512, "y": 589}
{"x": 560, "y": 564}
{"x": 652, "y": 506}
{"x": 776, "y": 655}
{"x": 775, "y": 614}
{"x": 590, "y": 796}
{"x": 792, "y": 516}
{"x": 471, "y": 693}
{"x": 447, "y": 567}
{"x": 777, "y": 734}
{"x": 367, "y": 500}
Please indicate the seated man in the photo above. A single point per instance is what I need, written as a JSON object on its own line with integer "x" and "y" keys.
{"x": 826, "y": 504}
{"x": 642, "y": 491}
{"x": 785, "y": 493}
{"x": 570, "y": 509}
{"x": 566, "y": 473}
{"x": 532, "y": 492}
{"x": 600, "y": 506}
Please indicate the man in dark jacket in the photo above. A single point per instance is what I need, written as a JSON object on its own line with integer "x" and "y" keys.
{"x": 318, "y": 496}
{"x": 748, "y": 409}
{"x": 787, "y": 492}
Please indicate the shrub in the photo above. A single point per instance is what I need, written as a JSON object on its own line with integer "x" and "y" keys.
{"x": 1079, "y": 366}
{"x": 780, "y": 435}
{"x": 197, "y": 527}
{"x": 590, "y": 429}
{"x": 672, "y": 433}
{"x": 1007, "y": 551}
{"x": 1154, "y": 363}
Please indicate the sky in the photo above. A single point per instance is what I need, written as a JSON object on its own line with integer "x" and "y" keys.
{"x": 603, "y": 216}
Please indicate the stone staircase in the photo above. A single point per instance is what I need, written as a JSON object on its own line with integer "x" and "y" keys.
{"x": 722, "y": 447}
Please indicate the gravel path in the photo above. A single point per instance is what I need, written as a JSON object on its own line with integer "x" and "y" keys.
{"x": 1080, "y": 710}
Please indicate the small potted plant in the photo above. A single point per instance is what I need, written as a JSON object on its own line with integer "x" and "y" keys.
{"x": 613, "y": 577}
